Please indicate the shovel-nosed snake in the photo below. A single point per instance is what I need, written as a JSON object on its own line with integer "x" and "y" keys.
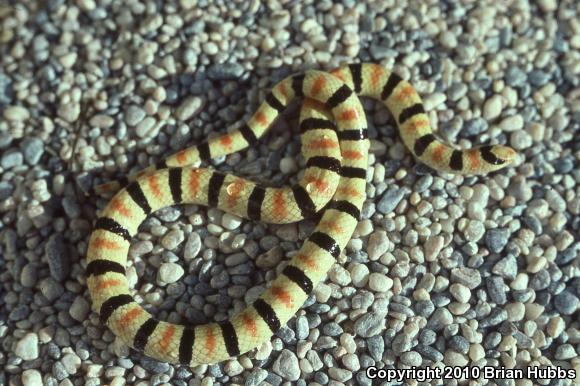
{"x": 335, "y": 146}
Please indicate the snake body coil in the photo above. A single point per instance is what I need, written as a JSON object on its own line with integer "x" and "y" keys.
{"x": 335, "y": 145}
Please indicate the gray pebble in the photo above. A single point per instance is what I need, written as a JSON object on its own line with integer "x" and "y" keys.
{"x": 496, "y": 316}
{"x": 11, "y": 158}
{"x": 411, "y": 358}
{"x": 390, "y": 200}
{"x": 256, "y": 377}
{"x": 538, "y": 78}
{"x": 440, "y": 318}
{"x": 429, "y": 353}
{"x": 496, "y": 239}
{"x": 376, "y": 347}
{"x": 302, "y": 329}
{"x": 459, "y": 344}
{"x": 469, "y": 277}
{"x": 6, "y": 189}
{"x": 32, "y": 149}
{"x": 369, "y": 324}
{"x": 496, "y": 289}
{"x": 506, "y": 267}
{"x": 134, "y": 115}
{"x": 57, "y": 255}
{"x": 566, "y": 302}
{"x": 515, "y": 77}
{"x": 332, "y": 329}
{"x": 225, "y": 71}
{"x": 286, "y": 366}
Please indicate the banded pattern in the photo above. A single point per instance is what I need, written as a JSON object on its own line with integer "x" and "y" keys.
{"x": 335, "y": 145}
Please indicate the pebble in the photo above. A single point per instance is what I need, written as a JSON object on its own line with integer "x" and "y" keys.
{"x": 378, "y": 245}
{"x": 256, "y": 377}
{"x": 379, "y": 282}
{"x": 32, "y": 150}
{"x": 521, "y": 140}
{"x": 286, "y": 366}
{"x": 566, "y": 302}
{"x": 475, "y": 126}
{"x": 80, "y": 309}
{"x": 469, "y": 277}
{"x": 101, "y": 121}
{"x": 225, "y": 71}
{"x": 16, "y": 113}
{"x": 190, "y": 107}
{"x": 492, "y": 108}
{"x": 58, "y": 257}
{"x": 11, "y": 159}
{"x": 27, "y": 347}
{"x": 496, "y": 239}
{"x": 513, "y": 123}
{"x": 460, "y": 292}
{"x": 145, "y": 127}
{"x": 170, "y": 272}
{"x": 134, "y": 115}
{"x": 369, "y": 324}
{"x": 172, "y": 239}
{"x": 506, "y": 267}
{"x": 390, "y": 200}
{"x": 192, "y": 246}
{"x": 31, "y": 377}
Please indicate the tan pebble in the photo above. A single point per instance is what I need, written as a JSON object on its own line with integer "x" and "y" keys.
{"x": 555, "y": 326}
{"x": 533, "y": 310}
{"x": 506, "y": 343}
{"x": 515, "y": 311}
{"x": 537, "y": 264}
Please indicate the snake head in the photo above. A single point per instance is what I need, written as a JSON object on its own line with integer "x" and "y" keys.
{"x": 497, "y": 156}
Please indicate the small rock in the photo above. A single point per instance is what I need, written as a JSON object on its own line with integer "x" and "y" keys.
{"x": 192, "y": 246}
{"x": 16, "y": 113}
{"x": 58, "y": 257}
{"x": 390, "y": 200}
{"x": 134, "y": 115}
{"x": 172, "y": 239}
{"x": 286, "y": 366}
{"x": 79, "y": 309}
{"x": 566, "y": 302}
{"x": 189, "y": 108}
{"x": 225, "y": 71}
{"x": 369, "y": 324}
{"x": 11, "y": 158}
{"x": 496, "y": 239}
{"x": 31, "y": 377}
{"x": 469, "y": 277}
{"x": 379, "y": 282}
{"x": 101, "y": 121}
{"x": 27, "y": 347}
{"x": 170, "y": 272}
{"x": 32, "y": 149}
{"x": 492, "y": 108}
{"x": 145, "y": 127}
{"x": 506, "y": 267}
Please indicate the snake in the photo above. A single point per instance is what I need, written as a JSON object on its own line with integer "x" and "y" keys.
{"x": 335, "y": 147}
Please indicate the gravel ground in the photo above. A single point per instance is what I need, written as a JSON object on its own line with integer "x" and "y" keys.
{"x": 442, "y": 271}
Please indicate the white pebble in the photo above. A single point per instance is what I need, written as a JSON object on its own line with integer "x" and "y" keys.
{"x": 170, "y": 272}
{"x": 379, "y": 282}
{"x": 492, "y": 107}
{"x": 188, "y": 108}
{"x": 31, "y": 377}
{"x": 16, "y": 113}
{"x": 27, "y": 347}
